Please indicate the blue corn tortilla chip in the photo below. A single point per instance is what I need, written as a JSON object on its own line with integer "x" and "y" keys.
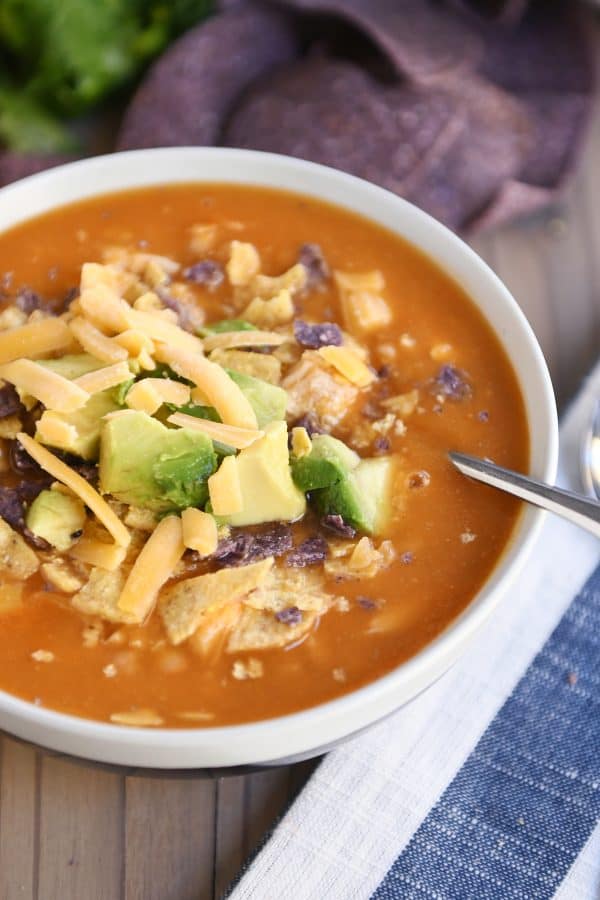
{"x": 14, "y": 166}
{"x": 314, "y": 336}
{"x": 424, "y": 41}
{"x": 310, "y": 552}
{"x": 452, "y": 383}
{"x": 317, "y": 270}
{"x": 187, "y": 94}
{"x": 244, "y": 546}
{"x": 207, "y": 272}
{"x": 291, "y": 615}
{"x": 447, "y": 150}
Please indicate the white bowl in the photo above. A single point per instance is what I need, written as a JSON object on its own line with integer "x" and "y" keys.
{"x": 305, "y": 733}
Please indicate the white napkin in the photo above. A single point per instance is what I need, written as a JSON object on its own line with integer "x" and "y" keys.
{"x": 368, "y": 803}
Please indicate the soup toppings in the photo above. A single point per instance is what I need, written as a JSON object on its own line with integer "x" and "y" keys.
{"x": 187, "y": 483}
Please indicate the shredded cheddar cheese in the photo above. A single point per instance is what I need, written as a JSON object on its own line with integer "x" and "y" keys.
{"x": 228, "y": 339}
{"x": 105, "y": 308}
{"x": 52, "y": 429}
{"x": 95, "y": 342}
{"x": 223, "y": 393}
{"x": 156, "y": 328}
{"x": 78, "y": 485}
{"x": 98, "y": 553}
{"x": 34, "y": 339}
{"x": 139, "y": 347}
{"x": 50, "y": 388}
{"x": 149, "y": 394}
{"x": 226, "y": 434}
{"x": 301, "y": 442}
{"x": 152, "y": 568}
{"x": 199, "y": 531}
{"x": 348, "y": 364}
{"x": 102, "y": 379}
{"x": 225, "y": 490}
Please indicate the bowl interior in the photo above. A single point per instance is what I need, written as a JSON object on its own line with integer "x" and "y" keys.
{"x": 299, "y": 733}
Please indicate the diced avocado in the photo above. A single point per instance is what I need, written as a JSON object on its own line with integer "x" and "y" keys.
{"x": 268, "y": 401}
{"x": 327, "y": 463}
{"x": 57, "y": 518}
{"x": 363, "y": 497}
{"x": 73, "y": 365}
{"x": 268, "y": 492}
{"x": 146, "y": 464}
{"x": 87, "y": 423}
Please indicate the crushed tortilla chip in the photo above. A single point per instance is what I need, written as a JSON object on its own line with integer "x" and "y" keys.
{"x": 269, "y": 313}
{"x": 259, "y": 630}
{"x": 268, "y": 286}
{"x": 185, "y": 604}
{"x": 141, "y": 718}
{"x": 257, "y": 365}
{"x": 202, "y": 238}
{"x": 100, "y": 596}
{"x": 301, "y": 442}
{"x": 243, "y": 264}
{"x": 250, "y": 668}
{"x": 360, "y": 281}
{"x": 61, "y": 576}
{"x": 45, "y": 656}
{"x": 285, "y": 588}
{"x": 16, "y": 556}
{"x": 402, "y": 404}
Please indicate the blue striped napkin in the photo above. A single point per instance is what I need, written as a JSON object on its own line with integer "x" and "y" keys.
{"x": 488, "y": 785}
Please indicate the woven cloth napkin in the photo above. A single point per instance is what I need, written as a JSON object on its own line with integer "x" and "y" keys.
{"x": 486, "y": 786}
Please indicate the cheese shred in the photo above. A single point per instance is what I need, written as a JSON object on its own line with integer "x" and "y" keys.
{"x": 34, "y": 339}
{"x": 50, "y": 388}
{"x": 216, "y": 431}
{"x": 222, "y": 392}
{"x": 78, "y": 485}
{"x": 154, "y": 565}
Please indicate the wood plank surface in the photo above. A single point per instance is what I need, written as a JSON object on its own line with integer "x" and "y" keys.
{"x": 71, "y": 832}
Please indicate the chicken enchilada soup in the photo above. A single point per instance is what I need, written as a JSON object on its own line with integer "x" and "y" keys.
{"x": 224, "y": 420}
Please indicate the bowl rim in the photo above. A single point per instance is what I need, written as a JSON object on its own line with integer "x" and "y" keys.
{"x": 171, "y": 748}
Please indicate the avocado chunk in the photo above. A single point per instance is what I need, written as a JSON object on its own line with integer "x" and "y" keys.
{"x": 84, "y": 437}
{"x": 268, "y": 492}
{"x": 327, "y": 463}
{"x": 362, "y": 497}
{"x": 146, "y": 464}
{"x": 268, "y": 401}
{"x": 340, "y": 483}
{"x": 73, "y": 365}
{"x": 57, "y": 518}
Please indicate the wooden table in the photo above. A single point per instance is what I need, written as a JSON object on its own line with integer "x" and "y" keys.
{"x": 68, "y": 832}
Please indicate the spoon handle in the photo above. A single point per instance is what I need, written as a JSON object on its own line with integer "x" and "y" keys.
{"x": 576, "y": 509}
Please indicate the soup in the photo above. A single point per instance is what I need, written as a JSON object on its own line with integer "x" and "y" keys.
{"x": 224, "y": 430}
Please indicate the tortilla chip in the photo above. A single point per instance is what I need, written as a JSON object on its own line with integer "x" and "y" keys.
{"x": 424, "y": 42}
{"x": 285, "y": 588}
{"x": 185, "y": 604}
{"x": 14, "y": 166}
{"x": 100, "y": 596}
{"x": 258, "y": 630}
{"x": 16, "y": 557}
{"x": 187, "y": 93}
{"x": 257, "y": 365}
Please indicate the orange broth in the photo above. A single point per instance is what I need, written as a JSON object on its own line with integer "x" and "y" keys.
{"x": 416, "y": 600}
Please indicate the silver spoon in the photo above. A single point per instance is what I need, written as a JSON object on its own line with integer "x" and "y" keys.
{"x": 577, "y": 509}
{"x": 590, "y": 455}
